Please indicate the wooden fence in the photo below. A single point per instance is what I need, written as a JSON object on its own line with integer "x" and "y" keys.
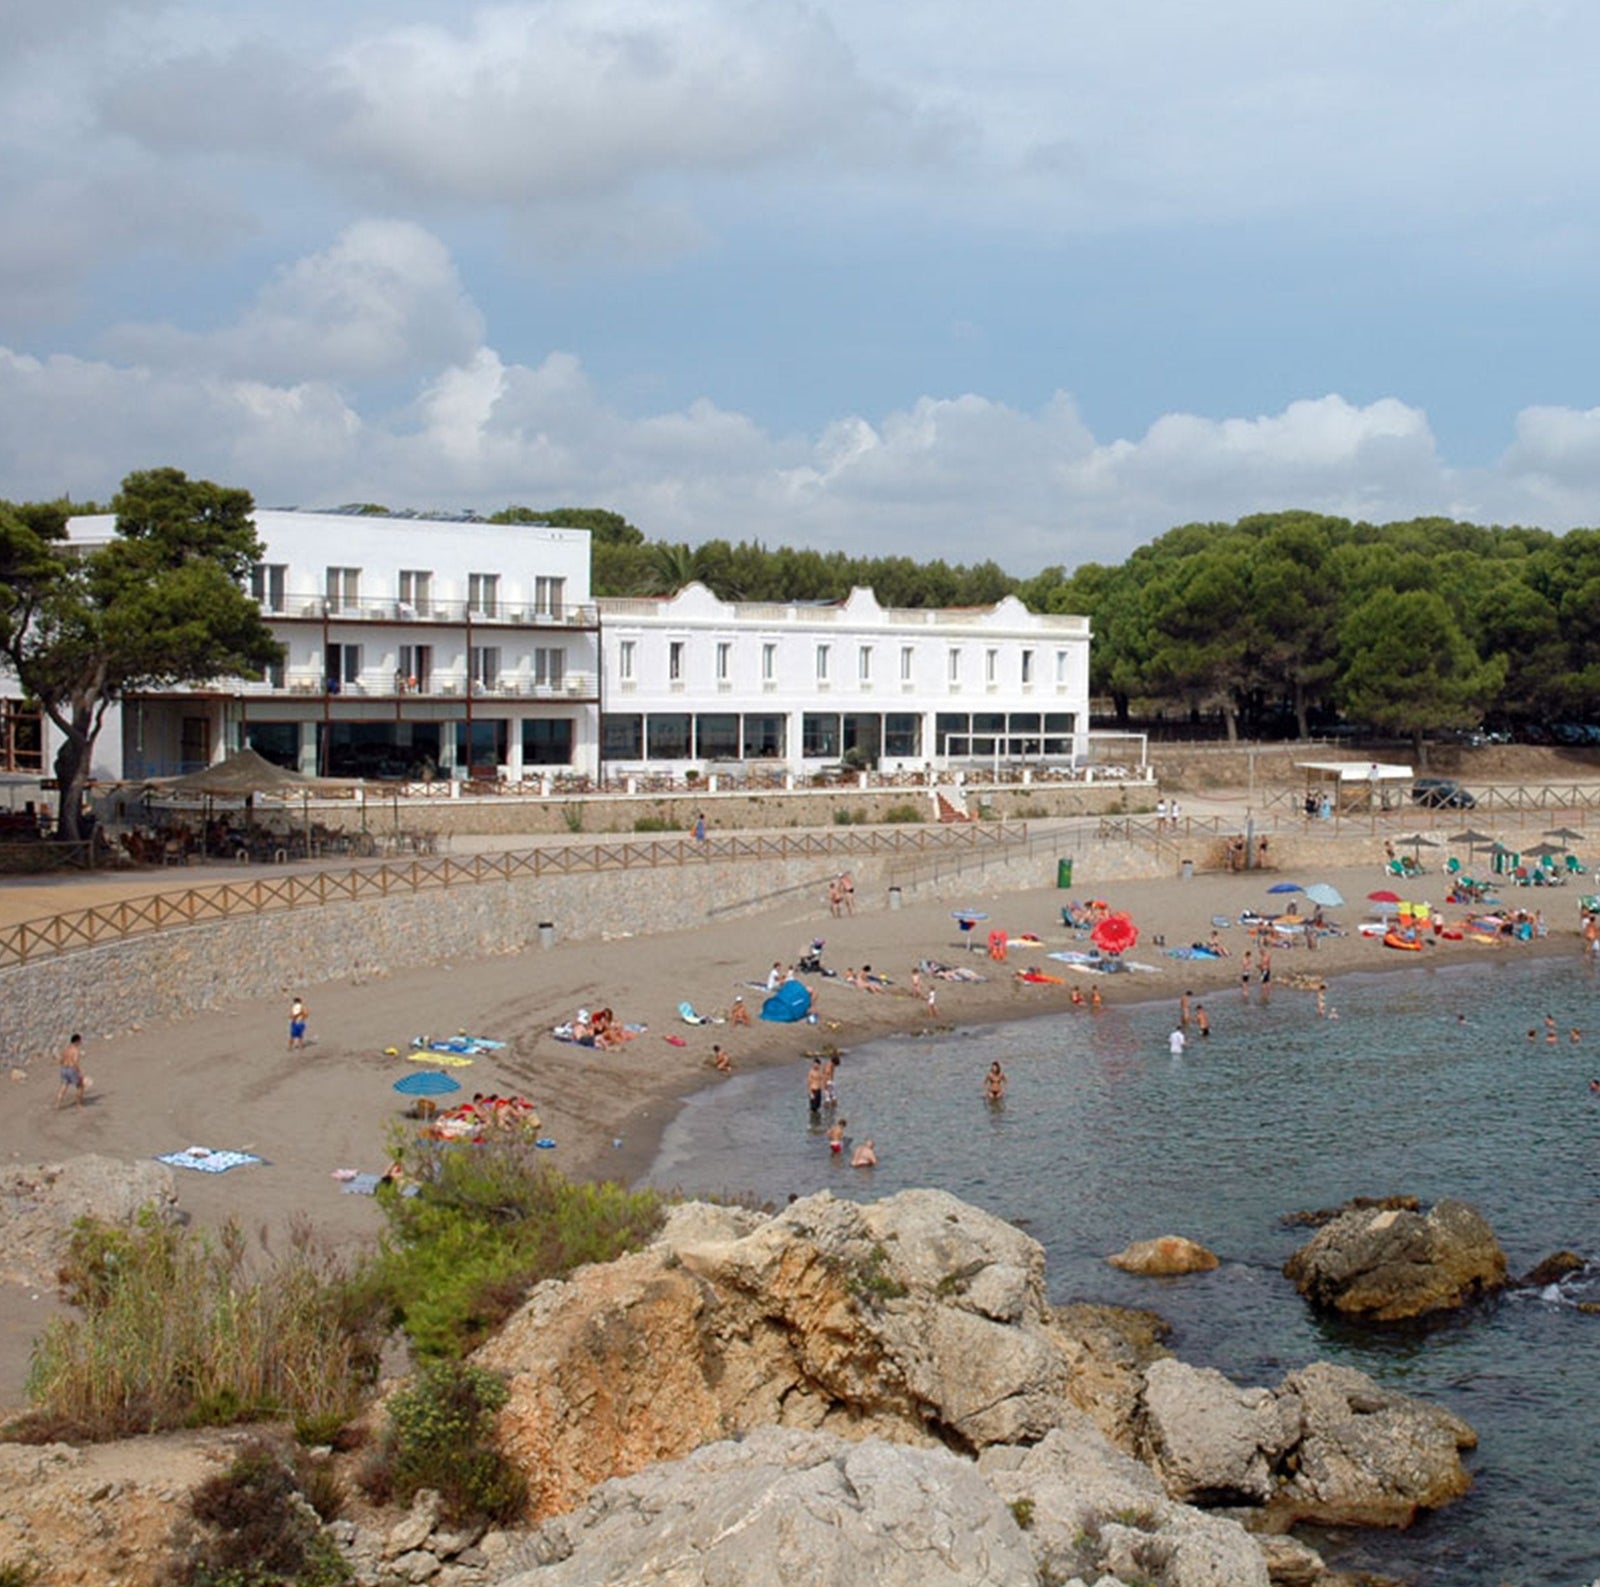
{"x": 78, "y": 929}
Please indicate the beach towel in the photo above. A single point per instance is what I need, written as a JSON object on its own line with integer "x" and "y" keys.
{"x": 687, "y": 1014}
{"x": 677, "y": 1041}
{"x": 462, "y": 1045}
{"x": 202, "y": 1160}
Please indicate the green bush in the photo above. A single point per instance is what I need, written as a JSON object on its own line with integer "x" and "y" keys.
{"x": 655, "y": 824}
{"x": 441, "y": 1435}
{"x": 250, "y": 1527}
{"x": 177, "y": 1330}
{"x": 487, "y": 1224}
{"x": 900, "y": 815}
{"x": 849, "y": 818}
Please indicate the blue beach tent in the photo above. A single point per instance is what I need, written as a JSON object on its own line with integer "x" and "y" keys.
{"x": 791, "y": 1002}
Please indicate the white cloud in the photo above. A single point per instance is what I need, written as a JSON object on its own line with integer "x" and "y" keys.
{"x": 384, "y": 301}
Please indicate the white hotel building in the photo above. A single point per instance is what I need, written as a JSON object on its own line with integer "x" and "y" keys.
{"x": 465, "y": 649}
{"x": 690, "y": 681}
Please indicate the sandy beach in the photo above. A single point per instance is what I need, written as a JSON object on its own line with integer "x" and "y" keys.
{"x": 227, "y": 1080}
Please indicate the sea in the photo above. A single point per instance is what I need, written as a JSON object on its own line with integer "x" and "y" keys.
{"x": 1423, "y": 1082}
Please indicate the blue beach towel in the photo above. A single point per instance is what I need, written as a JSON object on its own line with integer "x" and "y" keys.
{"x": 202, "y": 1160}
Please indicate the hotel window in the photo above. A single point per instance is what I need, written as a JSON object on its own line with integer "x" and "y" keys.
{"x": 416, "y": 667}
{"x": 416, "y": 591}
{"x": 483, "y": 594}
{"x": 343, "y": 587}
{"x": 549, "y": 667}
{"x": 549, "y": 597}
{"x": 724, "y": 658}
{"x": 1061, "y": 669}
{"x": 342, "y": 664}
{"x": 1027, "y": 668}
{"x": 991, "y": 667}
{"x": 769, "y": 662}
{"x": 906, "y": 653}
{"x": 675, "y": 661}
{"x": 864, "y": 664}
{"x": 627, "y": 652}
{"x": 955, "y": 668}
{"x": 822, "y": 663}
{"x": 484, "y": 661}
{"x": 266, "y": 585}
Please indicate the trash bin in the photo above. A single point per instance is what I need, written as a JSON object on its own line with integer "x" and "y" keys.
{"x": 1063, "y": 873}
{"x": 547, "y": 934}
{"x": 1186, "y": 870}
{"x": 894, "y": 897}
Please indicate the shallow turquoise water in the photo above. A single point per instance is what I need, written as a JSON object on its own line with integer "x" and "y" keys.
{"x": 1105, "y": 1138}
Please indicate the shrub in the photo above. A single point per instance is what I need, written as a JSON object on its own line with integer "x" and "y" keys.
{"x": 572, "y": 816}
{"x": 20, "y": 1573}
{"x": 488, "y": 1223}
{"x": 900, "y": 815}
{"x": 849, "y": 818}
{"x": 178, "y": 1331}
{"x": 655, "y": 824}
{"x": 252, "y": 1527}
{"x": 441, "y": 1435}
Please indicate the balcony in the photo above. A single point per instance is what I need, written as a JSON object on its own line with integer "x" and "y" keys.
{"x": 305, "y": 685}
{"x": 500, "y": 614}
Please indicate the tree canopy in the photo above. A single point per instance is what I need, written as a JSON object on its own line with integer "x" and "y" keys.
{"x": 163, "y": 602}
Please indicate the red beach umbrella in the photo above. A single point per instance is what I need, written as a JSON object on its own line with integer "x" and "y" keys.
{"x": 1383, "y": 897}
{"x": 1115, "y": 934}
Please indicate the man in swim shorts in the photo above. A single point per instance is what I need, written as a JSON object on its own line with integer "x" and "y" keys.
{"x": 297, "y": 1025}
{"x": 815, "y": 1084}
{"x": 71, "y": 1070}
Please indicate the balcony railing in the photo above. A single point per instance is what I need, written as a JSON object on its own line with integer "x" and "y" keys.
{"x": 378, "y": 686}
{"x": 512, "y": 614}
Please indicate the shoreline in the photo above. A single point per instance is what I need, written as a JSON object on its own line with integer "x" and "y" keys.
{"x": 226, "y": 1079}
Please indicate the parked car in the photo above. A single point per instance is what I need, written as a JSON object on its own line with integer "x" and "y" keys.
{"x": 1441, "y": 793}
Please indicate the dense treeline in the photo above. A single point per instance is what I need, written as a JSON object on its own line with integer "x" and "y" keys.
{"x": 1282, "y": 621}
{"x": 625, "y": 563}
{"x": 1408, "y": 627}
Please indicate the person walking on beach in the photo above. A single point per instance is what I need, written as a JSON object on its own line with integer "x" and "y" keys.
{"x": 933, "y": 1000}
{"x": 298, "y": 1015}
{"x": 700, "y": 827}
{"x": 71, "y": 1070}
{"x": 994, "y": 1083}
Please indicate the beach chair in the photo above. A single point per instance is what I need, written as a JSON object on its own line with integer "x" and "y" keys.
{"x": 1453, "y": 865}
{"x": 1397, "y": 868}
{"x": 1574, "y": 865}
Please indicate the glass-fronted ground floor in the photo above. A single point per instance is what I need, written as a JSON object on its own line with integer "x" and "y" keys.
{"x": 888, "y": 738}
{"x": 168, "y": 737}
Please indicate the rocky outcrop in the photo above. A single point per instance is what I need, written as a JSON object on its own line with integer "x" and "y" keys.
{"x": 783, "y": 1506}
{"x": 922, "y": 1321}
{"x": 919, "y": 1318}
{"x": 1392, "y": 1264}
{"x": 1328, "y": 1445}
{"x": 1168, "y": 1255}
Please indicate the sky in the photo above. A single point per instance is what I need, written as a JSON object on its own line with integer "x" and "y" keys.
{"x": 1032, "y": 282}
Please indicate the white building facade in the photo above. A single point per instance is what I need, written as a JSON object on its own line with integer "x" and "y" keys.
{"x": 413, "y": 647}
{"x": 694, "y": 682}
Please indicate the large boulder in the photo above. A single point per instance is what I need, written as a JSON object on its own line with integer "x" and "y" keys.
{"x": 1367, "y": 1456}
{"x": 1386, "y": 1265}
{"x": 1328, "y": 1446}
{"x": 1210, "y": 1441}
{"x": 919, "y": 1318}
{"x": 784, "y": 1506}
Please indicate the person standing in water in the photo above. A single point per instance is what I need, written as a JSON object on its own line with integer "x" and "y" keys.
{"x": 994, "y": 1083}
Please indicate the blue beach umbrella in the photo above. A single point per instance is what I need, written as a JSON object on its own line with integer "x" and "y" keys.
{"x": 1286, "y": 887}
{"x": 427, "y": 1083}
{"x": 1328, "y": 897}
